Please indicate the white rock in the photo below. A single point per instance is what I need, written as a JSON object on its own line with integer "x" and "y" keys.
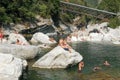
{"x": 103, "y": 24}
{"x": 112, "y": 35}
{"x": 105, "y": 33}
{"x": 10, "y": 67}
{"x": 41, "y": 38}
{"x": 21, "y": 51}
{"x": 107, "y": 37}
{"x": 115, "y": 33}
{"x": 58, "y": 58}
{"x": 19, "y": 27}
{"x": 95, "y": 37}
{"x": 116, "y": 42}
{"x": 63, "y": 26}
{"x": 74, "y": 38}
{"x": 13, "y": 38}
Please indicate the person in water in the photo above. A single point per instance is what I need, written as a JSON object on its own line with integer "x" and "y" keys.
{"x": 106, "y": 63}
{"x": 80, "y": 66}
{"x": 64, "y": 45}
{"x": 96, "y": 68}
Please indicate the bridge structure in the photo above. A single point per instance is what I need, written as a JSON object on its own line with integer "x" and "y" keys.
{"x": 80, "y": 9}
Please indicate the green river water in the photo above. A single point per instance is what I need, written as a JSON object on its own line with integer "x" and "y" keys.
{"x": 94, "y": 55}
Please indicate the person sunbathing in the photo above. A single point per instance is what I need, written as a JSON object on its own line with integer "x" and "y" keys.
{"x": 64, "y": 45}
{"x": 18, "y": 42}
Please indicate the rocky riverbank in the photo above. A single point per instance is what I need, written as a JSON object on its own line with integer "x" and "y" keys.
{"x": 57, "y": 57}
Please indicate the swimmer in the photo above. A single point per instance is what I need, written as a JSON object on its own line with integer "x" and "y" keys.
{"x": 80, "y": 66}
{"x": 96, "y": 68}
{"x": 106, "y": 63}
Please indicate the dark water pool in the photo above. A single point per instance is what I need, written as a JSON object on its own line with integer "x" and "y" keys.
{"x": 94, "y": 55}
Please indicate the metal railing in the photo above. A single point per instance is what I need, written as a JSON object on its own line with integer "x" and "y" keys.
{"x": 80, "y": 9}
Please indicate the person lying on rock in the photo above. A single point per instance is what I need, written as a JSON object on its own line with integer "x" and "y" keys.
{"x": 18, "y": 42}
{"x": 64, "y": 45}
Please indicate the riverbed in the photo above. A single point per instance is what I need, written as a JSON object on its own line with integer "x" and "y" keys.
{"x": 94, "y": 53}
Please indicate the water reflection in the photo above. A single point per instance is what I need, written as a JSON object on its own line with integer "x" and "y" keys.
{"x": 94, "y": 55}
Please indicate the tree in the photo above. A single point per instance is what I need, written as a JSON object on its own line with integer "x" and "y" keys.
{"x": 53, "y": 9}
{"x": 21, "y": 10}
{"x": 110, "y": 5}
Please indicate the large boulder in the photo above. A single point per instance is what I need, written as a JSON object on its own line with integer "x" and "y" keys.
{"x": 10, "y": 67}
{"x": 96, "y": 36}
{"x": 41, "y": 38}
{"x": 113, "y": 35}
{"x": 21, "y": 51}
{"x": 58, "y": 58}
{"x": 108, "y": 37}
{"x": 13, "y": 38}
{"x": 97, "y": 26}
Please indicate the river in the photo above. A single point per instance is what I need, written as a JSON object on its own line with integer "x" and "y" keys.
{"x": 94, "y": 53}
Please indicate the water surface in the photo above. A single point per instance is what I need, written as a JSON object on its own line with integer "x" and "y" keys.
{"x": 94, "y": 55}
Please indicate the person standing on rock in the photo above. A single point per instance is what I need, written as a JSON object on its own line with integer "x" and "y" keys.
{"x": 1, "y": 35}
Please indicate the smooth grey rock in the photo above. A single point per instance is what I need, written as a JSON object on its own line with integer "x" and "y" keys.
{"x": 21, "y": 51}
{"x": 13, "y": 39}
{"x": 10, "y": 67}
{"x": 58, "y": 58}
{"x": 41, "y": 38}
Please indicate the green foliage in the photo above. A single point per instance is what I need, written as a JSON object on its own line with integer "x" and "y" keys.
{"x": 26, "y": 10}
{"x": 65, "y": 17}
{"x": 2, "y": 10}
{"x": 53, "y": 10}
{"x": 53, "y": 6}
{"x": 82, "y": 2}
{"x": 43, "y": 11}
{"x": 110, "y": 5}
{"x": 114, "y": 22}
{"x": 21, "y": 10}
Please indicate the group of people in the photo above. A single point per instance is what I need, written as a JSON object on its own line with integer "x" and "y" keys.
{"x": 81, "y": 66}
{"x": 65, "y": 46}
{"x": 63, "y": 43}
{"x": 2, "y": 38}
{"x": 106, "y": 63}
